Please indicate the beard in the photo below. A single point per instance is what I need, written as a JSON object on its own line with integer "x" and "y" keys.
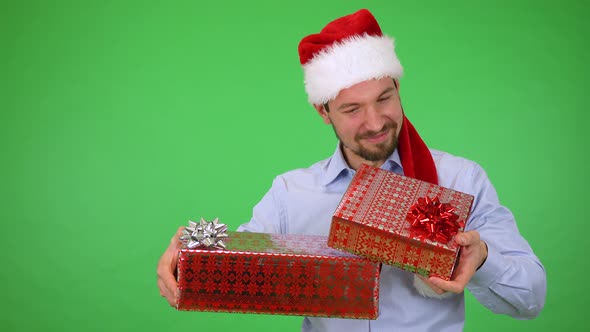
{"x": 380, "y": 151}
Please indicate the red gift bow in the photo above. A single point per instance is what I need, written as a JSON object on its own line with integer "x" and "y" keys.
{"x": 434, "y": 220}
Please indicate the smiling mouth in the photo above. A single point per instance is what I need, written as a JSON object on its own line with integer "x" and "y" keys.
{"x": 378, "y": 138}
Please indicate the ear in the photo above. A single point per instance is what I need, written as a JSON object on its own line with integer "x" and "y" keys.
{"x": 323, "y": 113}
{"x": 396, "y": 82}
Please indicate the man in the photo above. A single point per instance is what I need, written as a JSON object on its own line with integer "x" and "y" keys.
{"x": 351, "y": 78}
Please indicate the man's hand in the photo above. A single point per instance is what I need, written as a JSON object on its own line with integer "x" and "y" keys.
{"x": 167, "y": 268}
{"x": 473, "y": 253}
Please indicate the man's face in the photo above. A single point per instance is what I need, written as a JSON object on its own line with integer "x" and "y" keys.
{"x": 366, "y": 118}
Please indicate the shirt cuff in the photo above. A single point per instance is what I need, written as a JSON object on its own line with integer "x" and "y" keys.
{"x": 491, "y": 269}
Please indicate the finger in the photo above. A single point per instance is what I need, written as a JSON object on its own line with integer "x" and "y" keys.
{"x": 171, "y": 298}
{"x": 163, "y": 290}
{"x": 452, "y": 286}
{"x": 167, "y": 267}
{"x": 170, "y": 283}
{"x": 467, "y": 238}
{"x": 461, "y": 276}
{"x": 166, "y": 270}
{"x": 176, "y": 238}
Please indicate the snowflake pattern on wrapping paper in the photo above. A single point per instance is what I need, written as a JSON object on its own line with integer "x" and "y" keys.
{"x": 278, "y": 274}
{"x": 375, "y": 207}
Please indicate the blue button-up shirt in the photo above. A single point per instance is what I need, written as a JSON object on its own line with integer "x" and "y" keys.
{"x": 512, "y": 281}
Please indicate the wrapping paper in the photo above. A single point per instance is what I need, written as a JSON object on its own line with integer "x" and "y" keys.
{"x": 278, "y": 274}
{"x": 400, "y": 221}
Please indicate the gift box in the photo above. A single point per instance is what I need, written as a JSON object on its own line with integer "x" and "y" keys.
{"x": 278, "y": 274}
{"x": 400, "y": 221}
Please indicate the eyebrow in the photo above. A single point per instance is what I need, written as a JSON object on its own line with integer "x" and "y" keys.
{"x": 343, "y": 106}
{"x": 386, "y": 91}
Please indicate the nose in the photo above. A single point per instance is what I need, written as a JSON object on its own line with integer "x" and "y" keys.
{"x": 373, "y": 120}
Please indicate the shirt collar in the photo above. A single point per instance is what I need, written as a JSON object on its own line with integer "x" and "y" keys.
{"x": 336, "y": 165}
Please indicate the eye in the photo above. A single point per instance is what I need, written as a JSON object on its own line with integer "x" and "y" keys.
{"x": 383, "y": 99}
{"x": 350, "y": 111}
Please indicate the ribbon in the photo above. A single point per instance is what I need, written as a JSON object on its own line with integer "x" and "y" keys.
{"x": 208, "y": 234}
{"x": 429, "y": 218}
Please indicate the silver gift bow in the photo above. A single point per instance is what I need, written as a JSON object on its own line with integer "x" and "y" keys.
{"x": 204, "y": 234}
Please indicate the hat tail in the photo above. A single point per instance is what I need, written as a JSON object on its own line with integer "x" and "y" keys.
{"x": 414, "y": 154}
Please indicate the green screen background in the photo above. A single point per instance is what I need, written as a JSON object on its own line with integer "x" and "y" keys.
{"x": 121, "y": 120}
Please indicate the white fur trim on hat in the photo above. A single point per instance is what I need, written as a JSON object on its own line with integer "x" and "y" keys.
{"x": 354, "y": 60}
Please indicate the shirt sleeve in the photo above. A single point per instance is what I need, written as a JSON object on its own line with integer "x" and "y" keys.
{"x": 268, "y": 216}
{"x": 512, "y": 280}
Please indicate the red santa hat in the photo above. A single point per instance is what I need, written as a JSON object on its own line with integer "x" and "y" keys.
{"x": 348, "y": 50}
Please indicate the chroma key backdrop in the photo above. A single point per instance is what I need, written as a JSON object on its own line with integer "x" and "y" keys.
{"x": 122, "y": 120}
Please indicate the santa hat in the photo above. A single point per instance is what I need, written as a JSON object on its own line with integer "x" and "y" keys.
{"x": 350, "y": 50}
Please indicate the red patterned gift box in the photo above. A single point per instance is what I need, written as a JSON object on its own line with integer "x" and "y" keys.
{"x": 278, "y": 274}
{"x": 400, "y": 221}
